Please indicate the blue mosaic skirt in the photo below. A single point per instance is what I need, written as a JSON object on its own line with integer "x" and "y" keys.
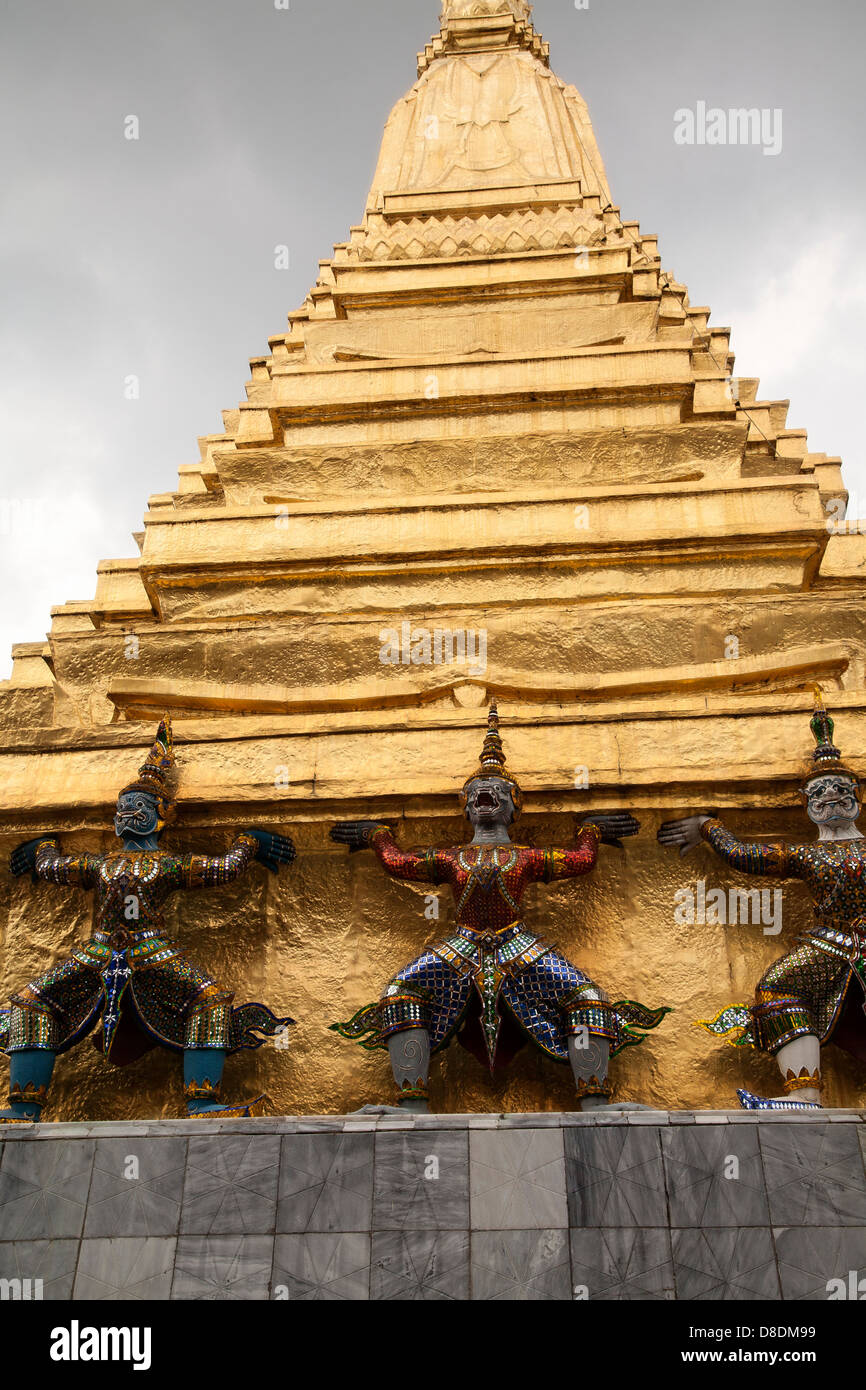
{"x": 548, "y": 997}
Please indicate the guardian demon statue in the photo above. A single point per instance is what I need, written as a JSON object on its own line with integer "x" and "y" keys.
{"x": 129, "y": 978}
{"x": 815, "y": 994}
{"x": 492, "y": 982}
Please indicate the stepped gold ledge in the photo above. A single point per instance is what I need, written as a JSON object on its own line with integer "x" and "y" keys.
{"x": 120, "y": 592}
{"x": 440, "y": 280}
{"x": 799, "y": 491}
{"x": 458, "y": 710}
{"x": 484, "y": 33}
{"x": 534, "y": 554}
{"x": 434, "y": 468}
{"x": 28, "y": 697}
{"x": 31, "y": 668}
{"x": 73, "y": 619}
{"x": 219, "y": 598}
{"x": 216, "y": 594}
{"x": 767, "y": 510}
{"x": 357, "y": 390}
{"x": 404, "y": 767}
{"x": 412, "y": 421}
{"x": 137, "y": 698}
{"x": 844, "y": 560}
{"x": 790, "y": 546}
{"x": 795, "y": 488}
{"x": 307, "y": 651}
{"x": 407, "y": 337}
{"x": 402, "y": 206}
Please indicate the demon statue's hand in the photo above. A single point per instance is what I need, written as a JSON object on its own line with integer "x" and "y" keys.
{"x": 355, "y": 833}
{"x": 273, "y": 850}
{"x": 23, "y": 860}
{"x": 615, "y": 827}
{"x": 683, "y": 834}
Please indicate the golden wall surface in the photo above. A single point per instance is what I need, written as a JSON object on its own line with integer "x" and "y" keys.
{"x": 494, "y": 413}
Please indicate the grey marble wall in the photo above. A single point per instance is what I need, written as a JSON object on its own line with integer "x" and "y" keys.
{"x": 616, "y": 1205}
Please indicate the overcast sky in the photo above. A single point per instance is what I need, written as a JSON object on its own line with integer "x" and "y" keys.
{"x": 260, "y": 126}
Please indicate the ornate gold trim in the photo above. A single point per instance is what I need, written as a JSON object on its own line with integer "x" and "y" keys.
{"x": 803, "y": 1081}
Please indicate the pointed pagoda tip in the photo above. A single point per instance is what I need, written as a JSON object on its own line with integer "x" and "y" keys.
{"x": 475, "y": 9}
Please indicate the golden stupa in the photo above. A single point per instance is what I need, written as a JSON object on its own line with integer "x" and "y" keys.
{"x": 496, "y": 453}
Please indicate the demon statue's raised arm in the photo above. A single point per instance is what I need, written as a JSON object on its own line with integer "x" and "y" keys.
{"x": 492, "y": 981}
{"x": 815, "y": 994}
{"x": 129, "y": 978}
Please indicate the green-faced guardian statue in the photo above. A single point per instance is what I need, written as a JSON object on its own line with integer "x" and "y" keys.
{"x": 129, "y": 980}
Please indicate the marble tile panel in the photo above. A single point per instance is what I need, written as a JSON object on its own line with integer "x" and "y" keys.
{"x": 137, "y": 1187}
{"x": 520, "y": 1266}
{"x": 428, "y": 1266}
{"x": 814, "y": 1175}
{"x": 822, "y": 1264}
{"x": 322, "y": 1267}
{"x": 421, "y": 1181}
{"x": 517, "y": 1180}
{"x": 223, "y": 1268}
{"x": 615, "y": 1177}
{"x": 715, "y": 1176}
{"x": 44, "y": 1189}
{"x": 138, "y": 1268}
{"x": 231, "y": 1185}
{"x": 326, "y": 1183}
{"x": 51, "y": 1261}
{"x": 619, "y": 1264}
{"x": 725, "y": 1264}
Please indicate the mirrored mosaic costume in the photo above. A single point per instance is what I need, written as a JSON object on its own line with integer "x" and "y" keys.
{"x": 818, "y": 989}
{"x": 492, "y": 972}
{"x": 805, "y": 992}
{"x": 129, "y": 978}
{"x": 494, "y": 955}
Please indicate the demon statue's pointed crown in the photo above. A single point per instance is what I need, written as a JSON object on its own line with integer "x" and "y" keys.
{"x": 155, "y": 772}
{"x": 826, "y": 757}
{"x": 492, "y": 762}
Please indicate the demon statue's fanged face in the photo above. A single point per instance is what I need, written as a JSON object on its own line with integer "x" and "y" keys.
{"x": 489, "y": 802}
{"x": 832, "y": 800}
{"x": 137, "y": 816}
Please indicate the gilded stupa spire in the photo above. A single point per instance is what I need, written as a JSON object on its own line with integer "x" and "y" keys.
{"x": 472, "y": 26}
{"x": 488, "y": 144}
{"x": 472, "y": 9}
